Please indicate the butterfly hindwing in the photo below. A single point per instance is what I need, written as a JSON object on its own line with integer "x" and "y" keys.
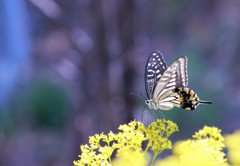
{"x": 187, "y": 99}
{"x": 154, "y": 69}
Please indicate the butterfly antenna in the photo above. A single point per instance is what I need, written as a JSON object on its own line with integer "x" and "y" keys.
{"x": 138, "y": 95}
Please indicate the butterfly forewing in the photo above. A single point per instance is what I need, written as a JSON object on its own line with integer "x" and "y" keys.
{"x": 174, "y": 76}
{"x": 154, "y": 69}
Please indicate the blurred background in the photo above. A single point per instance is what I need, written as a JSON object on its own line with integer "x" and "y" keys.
{"x": 67, "y": 69}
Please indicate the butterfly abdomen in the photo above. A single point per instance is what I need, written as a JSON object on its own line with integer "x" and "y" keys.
{"x": 188, "y": 98}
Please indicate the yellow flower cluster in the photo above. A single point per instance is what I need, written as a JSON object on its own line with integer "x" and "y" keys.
{"x": 128, "y": 144}
{"x": 132, "y": 158}
{"x": 232, "y": 142}
{"x": 204, "y": 149}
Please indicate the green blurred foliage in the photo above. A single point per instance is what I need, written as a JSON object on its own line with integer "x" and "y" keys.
{"x": 41, "y": 104}
{"x": 49, "y": 105}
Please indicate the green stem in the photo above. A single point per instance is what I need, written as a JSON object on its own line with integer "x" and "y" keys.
{"x": 154, "y": 158}
{"x": 145, "y": 151}
{"x": 110, "y": 161}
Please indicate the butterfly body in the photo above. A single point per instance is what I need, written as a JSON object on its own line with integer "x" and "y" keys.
{"x": 166, "y": 87}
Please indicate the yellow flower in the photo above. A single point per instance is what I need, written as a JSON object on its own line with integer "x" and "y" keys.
{"x": 132, "y": 158}
{"x": 205, "y": 149}
{"x": 158, "y": 132}
{"x": 169, "y": 161}
{"x": 233, "y": 144}
{"x": 127, "y": 144}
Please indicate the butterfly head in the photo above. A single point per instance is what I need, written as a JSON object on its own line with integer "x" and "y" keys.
{"x": 151, "y": 104}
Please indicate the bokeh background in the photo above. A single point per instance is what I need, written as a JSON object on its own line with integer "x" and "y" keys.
{"x": 67, "y": 69}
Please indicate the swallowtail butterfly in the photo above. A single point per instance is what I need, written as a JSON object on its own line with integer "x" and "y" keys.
{"x": 166, "y": 87}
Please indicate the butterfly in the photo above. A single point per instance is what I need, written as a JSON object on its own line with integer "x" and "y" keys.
{"x": 166, "y": 87}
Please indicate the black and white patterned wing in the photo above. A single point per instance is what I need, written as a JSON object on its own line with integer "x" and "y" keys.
{"x": 173, "y": 77}
{"x": 154, "y": 69}
{"x": 182, "y": 76}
